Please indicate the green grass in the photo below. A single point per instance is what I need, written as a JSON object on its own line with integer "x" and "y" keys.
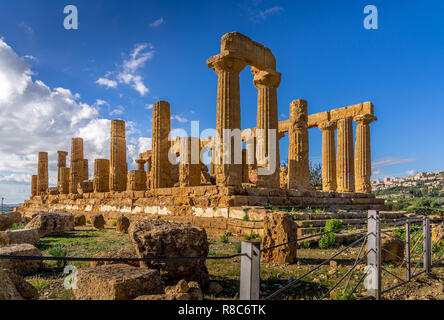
{"x": 16, "y": 226}
{"x": 39, "y": 283}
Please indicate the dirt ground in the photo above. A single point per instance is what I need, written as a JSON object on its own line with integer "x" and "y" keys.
{"x": 86, "y": 241}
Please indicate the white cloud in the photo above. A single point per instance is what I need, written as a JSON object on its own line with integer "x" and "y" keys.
{"x": 149, "y": 106}
{"x": 128, "y": 72}
{"x": 411, "y": 172}
{"x": 390, "y": 161}
{"x": 179, "y": 118}
{"x": 270, "y": 11}
{"x": 118, "y": 111}
{"x": 107, "y": 83}
{"x": 36, "y": 118}
{"x": 157, "y": 23}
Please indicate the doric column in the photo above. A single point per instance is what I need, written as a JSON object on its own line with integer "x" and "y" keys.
{"x": 228, "y": 117}
{"x": 363, "y": 160}
{"x": 190, "y": 166}
{"x": 42, "y": 173}
{"x": 345, "y": 161}
{"x": 34, "y": 185}
{"x": 245, "y": 170}
{"x": 140, "y": 164}
{"x": 77, "y": 164}
{"x": 61, "y": 162}
{"x": 298, "y": 160}
{"x": 101, "y": 175}
{"x": 267, "y": 83}
{"x": 161, "y": 166}
{"x": 118, "y": 165}
{"x": 63, "y": 184}
{"x": 328, "y": 156}
{"x": 85, "y": 169}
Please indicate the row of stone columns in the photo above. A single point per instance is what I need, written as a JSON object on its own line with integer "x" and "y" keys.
{"x": 349, "y": 170}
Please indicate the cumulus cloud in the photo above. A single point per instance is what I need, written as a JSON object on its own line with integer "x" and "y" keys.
{"x": 128, "y": 71}
{"x": 411, "y": 172}
{"x": 149, "y": 106}
{"x": 157, "y": 23}
{"x": 35, "y": 118}
{"x": 179, "y": 118}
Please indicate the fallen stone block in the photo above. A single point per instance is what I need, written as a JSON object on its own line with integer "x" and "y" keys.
{"x": 158, "y": 238}
{"x": 116, "y": 282}
{"x": 80, "y": 220}
{"x": 9, "y": 237}
{"x": 20, "y": 266}
{"x": 123, "y": 224}
{"x": 14, "y": 287}
{"x": 8, "y": 219}
{"x": 51, "y": 223}
{"x": 98, "y": 221}
{"x": 115, "y": 254}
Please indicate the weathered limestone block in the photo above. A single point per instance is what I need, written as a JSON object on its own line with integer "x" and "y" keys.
{"x": 181, "y": 291}
{"x": 158, "y": 238}
{"x": 190, "y": 167}
{"x": 51, "y": 223}
{"x": 228, "y": 170}
{"x": 123, "y": 224}
{"x": 79, "y": 220}
{"x": 118, "y": 165}
{"x": 345, "y": 161}
{"x": 34, "y": 179}
{"x": 328, "y": 156}
{"x": 298, "y": 161}
{"x": 117, "y": 282}
{"x": 101, "y": 175}
{"x": 98, "y": 221}
{"x": 20, "y": 266}
{"x": 363, "y": 160}
{"x": 86, "y": 186}
{"x": 10, "y": 237}
{"x": 63, "y": 184}
{"x": 14, "y": 287}
{"x": 136, "y": 180}
{"x": 115, "y": 254}
{"x": 8, "y": 219}
{"x": 42, "y": 175}
{"x": 279, "y": 228}
{"x": 392, "y": 249}
{"x": 161, "y": 166}
{"x": 267, "y": 83}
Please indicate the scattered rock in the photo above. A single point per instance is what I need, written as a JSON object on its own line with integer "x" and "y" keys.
{"x": 9, "y": 237}
{"x": 20, "y": 266}
{"x": 279, "y": 228}
{"x": 123, "y": 224}
{"x": 117, "y": 282}
{"x": 14, "y": 287}
{"x": 8, "y": 219}
{"x": 115, "y": 254}
{"x": 80, "y": 220}
{"x": 51, "y": 223}
{"x": 181, "y": 291}
{"x": 214, "y": 288}
{"x": 98, "y": 221}
{"x": 159, "y": 238}
{"x": 182, "y": 286}
{"x": 393, "y": 248}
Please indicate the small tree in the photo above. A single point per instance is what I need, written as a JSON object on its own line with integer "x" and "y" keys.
{"x": 315, "y": 174}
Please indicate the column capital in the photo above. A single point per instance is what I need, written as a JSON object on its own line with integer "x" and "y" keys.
{"x": 226, "y": 61}
{"x": 140, "y": 161}
{"x": 364, "y": 119}
{"x": 266, "y": 78}
{"x": 327, "y": 126}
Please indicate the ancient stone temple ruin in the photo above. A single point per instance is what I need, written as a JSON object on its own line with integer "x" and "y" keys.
{"x": 236, "y": 182}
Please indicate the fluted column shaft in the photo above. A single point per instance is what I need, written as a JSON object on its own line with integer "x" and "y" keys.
{"x": 328, "y": 156}
{"x": 118, "y": 166}
{"x": 345, "y": 161}
{"x": 298, "y": 151}
{"x": 363, "y": 165}
{"x": 161, "y": 166}
{"x": 61, "y": 162}
{"x": 42, "y": 173}
{"x": 267, "y": 83}
{"x": 77, "y": 164}
{"x": 228, "y": 117}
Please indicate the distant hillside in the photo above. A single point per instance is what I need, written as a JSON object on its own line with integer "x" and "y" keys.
{"x": 422, "y": 194}
{"x": 8, "y": 207}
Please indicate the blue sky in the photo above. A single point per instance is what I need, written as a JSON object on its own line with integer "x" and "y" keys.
{"x": 150, "y": 50}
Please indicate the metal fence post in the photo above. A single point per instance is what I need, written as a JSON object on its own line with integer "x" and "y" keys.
{"x": 250, "y": 271}
{"x": 427, "y": 245}
{"x": 374, "y": 254}
{"x": 407, "y": 252}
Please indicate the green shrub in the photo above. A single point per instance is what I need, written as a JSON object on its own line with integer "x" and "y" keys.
{"x": 332, "y": 224}
{"x": 114, "y": 223}
{"x": 16, "y": 226}
{"x": 328, "y": 240}
{"x": 59, "y": 251}
{"x": 224, "y": 238}
{"x": 238, "y": 247}
{"x": 251, "y": 236}
{"x": 246, "y": 217}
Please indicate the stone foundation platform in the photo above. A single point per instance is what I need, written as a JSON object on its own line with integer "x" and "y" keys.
{"x": 218, "y": 209}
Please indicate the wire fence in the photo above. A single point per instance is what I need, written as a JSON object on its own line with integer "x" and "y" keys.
{"x": 422, "y": 248}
